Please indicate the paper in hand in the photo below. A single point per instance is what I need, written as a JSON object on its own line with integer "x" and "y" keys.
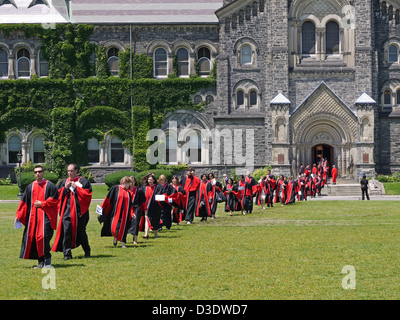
{"x": 160, "y": 197}
{"x": 99, "y": 210}
{"x": 17, "y": 224}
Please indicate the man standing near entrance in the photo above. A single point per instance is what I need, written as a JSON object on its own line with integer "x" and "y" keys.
{"x": 75, "y": 195}
{"x": 364, "y": 187}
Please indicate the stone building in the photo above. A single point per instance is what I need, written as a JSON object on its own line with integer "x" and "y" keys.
{"x": 296, "y": 80}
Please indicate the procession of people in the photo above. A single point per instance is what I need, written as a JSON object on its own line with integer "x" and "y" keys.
{"x": 156, "y": 204}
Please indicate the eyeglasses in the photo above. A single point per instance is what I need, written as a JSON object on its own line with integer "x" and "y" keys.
{"x": 37, "y": 171}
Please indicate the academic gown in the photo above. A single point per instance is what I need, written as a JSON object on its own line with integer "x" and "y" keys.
{"x": 334, "y": 175}
{"x": 240, "y": 187}
{"x": 280, "y": 188}
{"x": 117, "y": 213}
{"x": 250, "y": 190}
{"x": 191, "y": 186}
{"x": 153, "y": 206}
{"x": 291, "y": 192}
{"x": 39, "y": 222}
{"x": 166, "y": 215}
{"x": 138, "y": 198}
{"x": 216, "y": 188}
{"x": 74, "y": 216}
{"x": 178, "y": 204}
{"x": 204, "y": 199}
{"x": 231, "y": 203}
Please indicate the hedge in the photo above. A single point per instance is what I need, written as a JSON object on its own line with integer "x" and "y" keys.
{"x": 28, "y": 177}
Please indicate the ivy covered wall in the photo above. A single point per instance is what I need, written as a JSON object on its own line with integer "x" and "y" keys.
{"x": 71, "y": 105}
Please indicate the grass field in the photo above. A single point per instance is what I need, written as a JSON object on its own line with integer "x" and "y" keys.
{"x": 291, "y": 252}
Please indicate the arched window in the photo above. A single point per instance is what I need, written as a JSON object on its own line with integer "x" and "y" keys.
{"x": 387, "y": 97}
{"x": 117, "y": 150}
{"x": 204, "y": 61}
{"x": 194, "y": 147}
{"x": 255, "y": 9}
{"x": 197, "y": 99}
{"x": 113, "y": 61}
{"x": 93, "y": 150}
{"x": 3, "y": 63}
{"x": 209, "y": 99}
{"x": 308, "y": 38}
{"x": 23, "y": 63}
{"x": 239, "y": 98}
{"x": 332, "y": 38}
{"x": 253, "y": 98}
{"x": 14, "y": 146}
{"x": 38, "y": 149}
{"x": 246, "y": 55}
{"x": 160, "y": 63}
{"x": 183, "y": 62}
{"x": 43, "y": 65}
{"x": 393, "y": 54}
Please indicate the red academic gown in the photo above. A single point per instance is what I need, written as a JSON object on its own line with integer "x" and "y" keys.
{"x": 204, "y": 199}
{"x": 231, "y": 203}
{"x": 74, "y": 214}
{"x": 117, "y": 213}
{"x": 138, "y": 198}
{"x": 39, "y": 222}
{"x": 190, "y": 185}
{"x": 280, "y": 186}
{"x": 179, "y": 204}
{"x": 152, "y": 206}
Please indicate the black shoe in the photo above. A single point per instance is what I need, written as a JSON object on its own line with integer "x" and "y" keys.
{"x": 67, "y": 258}
{"x": 87, "y": 254}
{"x": 39, "y": 266}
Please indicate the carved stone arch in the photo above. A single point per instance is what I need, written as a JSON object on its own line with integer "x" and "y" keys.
{"x": 332, "y": 17}
{"x": 114, "y": 43}
{"x": 158, "y": 44}
{"x": 5, "y": 46}
{"x": 186, "y": 119}
{"x": 246, "y": 85}
{"x": 246, "y": 40}
{"x": 311, "y": 18}
{"x": 320, "y": 8}
{"x": 206, "y": 43}
{"x": 182, "y": 44}
{"x": 22, "y": 45}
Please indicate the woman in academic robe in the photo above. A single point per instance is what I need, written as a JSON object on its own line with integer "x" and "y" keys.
{"x": 166, "y": 211}
{"x": 280, "y": 190}
{"x": 203, "y": 200}
{"x": 230, "y": 193}
{"x": 179, "y": 204}
{"x": 241, "y": 186}
{"x": 138, "y": 198}
{"x": 117, "y": 212}
{"x": 151, "y": 208}
{"x": 291, "y": 191}
{"x": 262, "y": 193}
{"x": 216, "y": 190}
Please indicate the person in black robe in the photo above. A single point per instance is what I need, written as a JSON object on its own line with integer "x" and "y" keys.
{"x": 216, "y": 194}
{"x": 291, "y": 191}
{"x": 37, "y": 211}
{"x": 179, "y": 206}
{"x": 166, "y": 215}
{"x": 138, "y": 198}
{"x": 117, "y": 212}
{"x": 75, "y": 195}
{"x": 191, "y": 184}
{"x": 150, "y": 220}
{"x": 204, "y": 199}
{"x": 250, "y": 190}
{"x": 230, "y": 192}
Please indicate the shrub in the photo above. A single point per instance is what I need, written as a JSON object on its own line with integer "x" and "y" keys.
{"x": 28, "y": 177}
{"x": 114, "y": 178}
{"x": 259, "y": 173}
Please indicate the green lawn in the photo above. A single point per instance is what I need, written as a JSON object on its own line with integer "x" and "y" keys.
{"x": 290, "y": 252}
{"x": 392, "y": 188}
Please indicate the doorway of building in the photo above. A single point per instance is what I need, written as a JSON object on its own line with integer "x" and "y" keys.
{"x": 322, "y": 151}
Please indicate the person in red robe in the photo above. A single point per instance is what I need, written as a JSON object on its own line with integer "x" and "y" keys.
{"x": 334, "y": 174}
{"x": 280, "y": 190}
{"x": 75, "y": 195}
{"x": 250, "y": 190}
{"x": 240, "y": 187}
{"x": 190, "y": 183}
{"x": 117, "y": 212}
{"x": 230, "y": 193}
{"x": 291, "y": 191}
{"x": 166, "y": 211}
{"x": 138, "y": 198}
{"x": 204, "y": 199}
{"x": 37, "y": 211}
{"x": 178, "y": 210}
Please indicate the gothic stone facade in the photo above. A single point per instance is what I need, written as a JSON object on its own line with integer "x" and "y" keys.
{"x": 297, "y": 79}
